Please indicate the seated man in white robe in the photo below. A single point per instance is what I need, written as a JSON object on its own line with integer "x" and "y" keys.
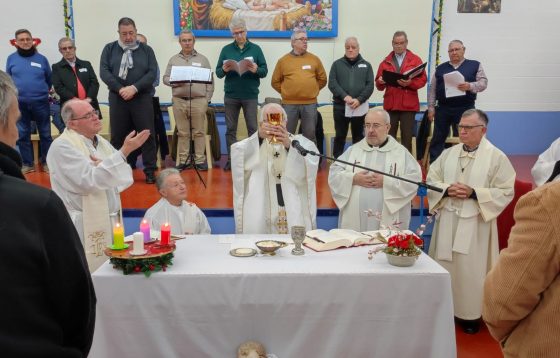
{"x": 547, "y": 167}
{"x": 358, "y": 193}
{"x": 478, "y": 180}
{"x": 273, "y": 185}
{"x": 88, "y": 174}
{"x": 173, "y": 208}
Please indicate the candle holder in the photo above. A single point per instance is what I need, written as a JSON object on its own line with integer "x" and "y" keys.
{"x": 298, "y": 235}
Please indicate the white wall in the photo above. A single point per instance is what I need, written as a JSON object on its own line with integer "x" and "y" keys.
{"x": 372, "y": 21}
{"x": 518, "y": 48}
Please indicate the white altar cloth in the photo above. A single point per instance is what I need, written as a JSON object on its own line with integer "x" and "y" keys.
{"x": 330, "y": 304}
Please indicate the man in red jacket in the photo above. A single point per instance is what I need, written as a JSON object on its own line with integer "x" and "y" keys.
{"x": 401, "y": 101}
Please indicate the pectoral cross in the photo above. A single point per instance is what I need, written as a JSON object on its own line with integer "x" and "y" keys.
{"x": 279, "y": 176}
{"x": 276, "y": 154}
{"x": 355, "y": 162}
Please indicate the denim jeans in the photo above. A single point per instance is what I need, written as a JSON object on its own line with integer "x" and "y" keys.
{"x": 56, "y": 118}
{"x": 37, "y": 111}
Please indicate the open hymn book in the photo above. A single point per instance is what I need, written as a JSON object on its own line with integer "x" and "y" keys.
{"x": 240, "y": 67}
{"x": 322, "y": 240}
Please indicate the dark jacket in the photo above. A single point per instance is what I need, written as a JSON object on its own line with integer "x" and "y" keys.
{"x": 65, "y": 84}
{"x": 355, "y": 80}
{"x": 47, "y": 303}
{"x": 142, "y": 75}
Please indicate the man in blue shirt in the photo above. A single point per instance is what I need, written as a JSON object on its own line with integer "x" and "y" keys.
{"x": 31, "y": 74}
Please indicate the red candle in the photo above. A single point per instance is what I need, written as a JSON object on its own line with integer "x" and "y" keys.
{"x": 165, "y": 234}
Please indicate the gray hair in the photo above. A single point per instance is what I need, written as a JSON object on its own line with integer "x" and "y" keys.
{"x": 296, "y": 31}
{"x": 351, "y": 38}
{"x": 164, "y": 174}
{"x": 8, "y": 92}
{"x": 381, "y": 111}
{"x": 145, "y": 42}
{"x": 271, "y": 106}
{"x": 66, "y": 39}
{"x": 125, "y": 21}
{"x": 67, "y": 111}
{"x": 457, "y": 42}
{"x": 237, "y": 23}
{"x": 187, "y": 32}
{"x": 481, "y": 115}
{"x": 400, "y": 33}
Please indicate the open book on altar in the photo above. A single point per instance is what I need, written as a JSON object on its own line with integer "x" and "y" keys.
{"x": 240, "y": 67}
{"x": 322, "y": 240}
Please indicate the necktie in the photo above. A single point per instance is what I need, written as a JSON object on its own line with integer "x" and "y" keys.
{"x": 81, "y": 89}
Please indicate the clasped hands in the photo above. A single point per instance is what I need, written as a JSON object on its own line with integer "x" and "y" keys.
{"x": 459, "y": 191}
{"x": 368, "y": 179}
{"x": 128, "y": 92}
{"x": 352, "y": 102}
{"x": 269, "y": 131}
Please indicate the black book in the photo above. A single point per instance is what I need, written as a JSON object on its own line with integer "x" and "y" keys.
{"x": 391, "y": 77}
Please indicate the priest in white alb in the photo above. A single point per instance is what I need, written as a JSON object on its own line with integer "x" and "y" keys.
{"x": 88, "y": 174}
{"x": 547, "y": 167}
{"x": 273, "y": 184}
{"x": 184, "y": 217}
{"x": 359, "y": 193}
{"x": 478, "y": 181}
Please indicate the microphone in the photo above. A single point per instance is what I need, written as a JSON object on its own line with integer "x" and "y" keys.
{"x": 301, "y": 150}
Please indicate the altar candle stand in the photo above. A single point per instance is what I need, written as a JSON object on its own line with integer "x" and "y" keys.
{"x": 145, "y": 229}
{"x": 118, "y": 237}
{"x": 165, "y": 234}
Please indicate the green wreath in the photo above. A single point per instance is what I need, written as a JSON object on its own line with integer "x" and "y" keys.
{"x": 147, "y": 266}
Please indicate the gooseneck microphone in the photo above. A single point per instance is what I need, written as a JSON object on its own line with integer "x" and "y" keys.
{"x": 301, "y": 150}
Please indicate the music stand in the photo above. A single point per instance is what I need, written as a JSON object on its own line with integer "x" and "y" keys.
{"x": 190, "y": 75}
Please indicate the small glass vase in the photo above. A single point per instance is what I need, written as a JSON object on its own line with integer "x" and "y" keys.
{"x": 401, "y": 261}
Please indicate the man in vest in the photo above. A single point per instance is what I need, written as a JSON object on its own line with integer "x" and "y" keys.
{"x": 449, "y": 109}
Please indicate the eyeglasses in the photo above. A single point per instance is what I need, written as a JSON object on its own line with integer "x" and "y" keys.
{"x": 67, "y": 48}
{"x": 238, "y": 33}
{"x": 375, "y": 126}
{"x": 468, "y": 128}
{"x": 89, "y": 116}
{"x": 454, "y": 50}
{"x": 302, "y": 39}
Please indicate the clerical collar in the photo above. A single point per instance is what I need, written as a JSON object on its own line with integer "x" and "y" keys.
{"x": 469, "y": 150}
{"x": 382, "y": 144}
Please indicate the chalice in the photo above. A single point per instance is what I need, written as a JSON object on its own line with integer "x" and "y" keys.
{"x": 274, "y": 119}
{"x": 298, "y": 235}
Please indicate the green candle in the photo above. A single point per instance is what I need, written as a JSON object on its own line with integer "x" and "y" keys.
{"x": 118, "y": 237}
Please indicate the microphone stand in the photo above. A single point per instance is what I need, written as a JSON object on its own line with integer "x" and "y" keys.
{"x": 420, "y": 184}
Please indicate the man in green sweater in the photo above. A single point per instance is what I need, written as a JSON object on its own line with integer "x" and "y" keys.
{"x": 242, "y": 63}
{"x": 298, "y": 77}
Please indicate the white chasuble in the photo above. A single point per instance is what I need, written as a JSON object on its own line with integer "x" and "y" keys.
{"x": 89, "y": 191}
{"x": 543, "y": 168}
{"x": 184, "y": 219}
{"x": 465, "y": 236}
{"x": 392, "y": 201}
{"x": 256, "y": 170}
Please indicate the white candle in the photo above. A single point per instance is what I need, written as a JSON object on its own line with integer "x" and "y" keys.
{"x": 138, "y": 240}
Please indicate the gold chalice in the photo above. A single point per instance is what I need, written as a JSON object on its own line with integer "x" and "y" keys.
{"x": 274, "y": 119}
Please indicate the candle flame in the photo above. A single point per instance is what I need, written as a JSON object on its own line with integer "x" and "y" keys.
{"x": 117, "y": 225}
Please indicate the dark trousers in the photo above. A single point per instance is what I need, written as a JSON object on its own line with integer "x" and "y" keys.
{"x": 406, "y": 121}
{"x": 39, "y": 112}
{"x": 136, "y": 114}
{"x": 445, "y": 118}
{"x": 307, "y": 113}
{"x": 232, "y": 107}
{"x": 341, "y": 124}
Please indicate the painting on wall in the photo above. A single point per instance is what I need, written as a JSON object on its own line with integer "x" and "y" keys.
{"x": 479, "y": 6}
{"x": 264, "y": 18}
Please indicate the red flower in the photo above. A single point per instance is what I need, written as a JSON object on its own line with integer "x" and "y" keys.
{"x": 152, "y": 267}
{"x": 136, "y": 268}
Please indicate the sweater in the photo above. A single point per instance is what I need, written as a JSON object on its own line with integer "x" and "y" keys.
{"x": 299, "y": 79}
{"x": 354, "y": 80}
{"x": 31, "y": 75}
{"x": 247, "y": 85}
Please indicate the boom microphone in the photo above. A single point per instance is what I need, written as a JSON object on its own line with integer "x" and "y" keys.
{"x": 301, "y": 150}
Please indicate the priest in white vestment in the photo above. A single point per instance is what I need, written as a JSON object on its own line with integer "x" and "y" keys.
{"x": 273, "y": 185}
{"x": 88, "y": 174}
{"x": 358, "y": 192}
{"x": 547, "y": 167}
{"x": 173, "y": 208}
{"x": 478, "y": 181}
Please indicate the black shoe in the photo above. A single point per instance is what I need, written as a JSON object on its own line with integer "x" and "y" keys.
{"x": 183, "y": 166}
{"x": 227, "y": 167}
{"x": 471, "y": 326}
{"x": 201, "y": 166}
{"x": 150, "y": 178}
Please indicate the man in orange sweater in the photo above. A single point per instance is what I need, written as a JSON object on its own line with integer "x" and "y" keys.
{"x": 298, "y": 77}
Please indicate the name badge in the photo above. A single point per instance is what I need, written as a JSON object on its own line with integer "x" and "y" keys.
{"x": 82, "y": 70}
{"x": 362, "y": 65}
{"x": 35, "y": 64}
{"x": 306, "y": 67}
{"x": 196, "y": 64}
{"x": 250, "y": 58}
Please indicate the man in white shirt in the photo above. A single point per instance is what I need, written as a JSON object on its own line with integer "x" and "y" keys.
{"x": 183, "y": 217}
{"x": 358, "y": 192}
{"x": 88, "y": 174}
{"x": 547, "y": 167}
{"x": 273, "y": 185}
